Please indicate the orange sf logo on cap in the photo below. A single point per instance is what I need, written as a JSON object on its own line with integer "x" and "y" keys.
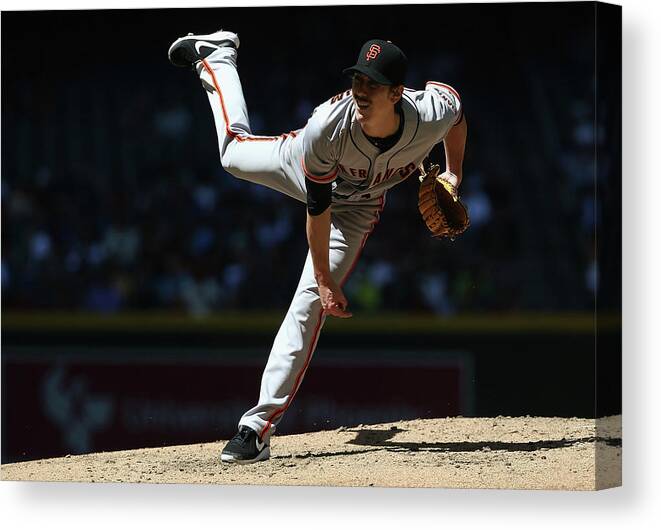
{"x": 374, "y": 50}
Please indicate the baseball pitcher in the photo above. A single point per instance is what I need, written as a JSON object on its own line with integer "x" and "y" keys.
{"x": 354, "y": 148}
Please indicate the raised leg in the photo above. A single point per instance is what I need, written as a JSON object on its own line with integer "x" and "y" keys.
{"x": 257, "y": 159}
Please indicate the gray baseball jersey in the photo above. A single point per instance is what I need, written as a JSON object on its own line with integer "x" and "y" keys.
{"x": 335, "y": 149}
{"x": 330, "y": 148}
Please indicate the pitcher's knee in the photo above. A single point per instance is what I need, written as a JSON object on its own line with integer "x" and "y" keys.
{"x": 229, "y": 164}
{"x": 310, "y": 296}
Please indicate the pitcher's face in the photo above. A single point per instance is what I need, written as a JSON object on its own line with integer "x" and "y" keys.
{"x": 372, "y": 99}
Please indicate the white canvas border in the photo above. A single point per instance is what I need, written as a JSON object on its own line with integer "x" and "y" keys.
{"x": 34, "y": 505}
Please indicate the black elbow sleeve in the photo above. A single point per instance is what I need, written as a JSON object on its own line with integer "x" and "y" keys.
{"x": 319, "y": 196}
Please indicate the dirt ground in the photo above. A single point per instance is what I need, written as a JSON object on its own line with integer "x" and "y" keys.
{"x": 501, "y": 452}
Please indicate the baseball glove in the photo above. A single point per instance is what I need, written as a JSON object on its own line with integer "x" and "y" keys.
{"x": 439, "y": 204}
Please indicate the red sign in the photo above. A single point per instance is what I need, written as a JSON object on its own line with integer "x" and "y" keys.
{"x": 82, "y": 404}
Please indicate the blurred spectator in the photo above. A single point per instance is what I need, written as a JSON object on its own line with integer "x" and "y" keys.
{"x": 477, "y": 201}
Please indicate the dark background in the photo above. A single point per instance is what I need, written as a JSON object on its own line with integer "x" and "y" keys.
{"x": 121, "y": 230}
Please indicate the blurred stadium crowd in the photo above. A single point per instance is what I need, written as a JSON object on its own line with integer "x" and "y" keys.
{"x": 113, "y": 198}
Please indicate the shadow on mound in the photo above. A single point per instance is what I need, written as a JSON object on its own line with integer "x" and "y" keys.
{"x": 379, "y": 438}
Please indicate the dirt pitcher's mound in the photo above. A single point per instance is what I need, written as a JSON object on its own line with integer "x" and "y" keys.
{"x": 502, "y": 452}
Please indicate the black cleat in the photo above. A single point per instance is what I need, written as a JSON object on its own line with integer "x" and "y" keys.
{"x": 190, "y": 49}
{"x": 245, "y": 448}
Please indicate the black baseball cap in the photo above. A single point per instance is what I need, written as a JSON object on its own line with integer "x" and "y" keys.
{"x": 381, "y": 61}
